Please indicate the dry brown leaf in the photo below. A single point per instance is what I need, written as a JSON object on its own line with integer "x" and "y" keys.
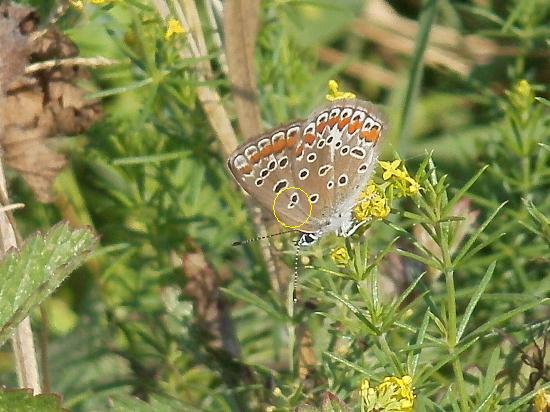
{"x": 240, "y": 22}
{"x": 39, "y": 105}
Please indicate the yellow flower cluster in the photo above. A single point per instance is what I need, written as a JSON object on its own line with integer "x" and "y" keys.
{"x": 522, "y": 95}
{"x": 372, "y": 204}
{"x": 399, "y": 178}
{"x": 79, "y": 4}
{"x": 542, "y": 401}
{"x": 334, "y": 94}
{"x": 340, "y": 256}
{"x": 392, "y": 395}
{"x": 173, "y": 28}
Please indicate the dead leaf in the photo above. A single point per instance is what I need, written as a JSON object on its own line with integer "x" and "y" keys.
{"x": 39, "y": 105}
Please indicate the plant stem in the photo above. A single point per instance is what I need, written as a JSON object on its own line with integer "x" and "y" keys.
{"x": 443, "y": 237}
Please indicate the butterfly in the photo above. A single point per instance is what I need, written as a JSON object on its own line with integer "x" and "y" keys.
{"x": 311, "y": 172}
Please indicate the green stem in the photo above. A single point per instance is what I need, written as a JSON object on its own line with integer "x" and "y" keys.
{"x": 443, "y": 236}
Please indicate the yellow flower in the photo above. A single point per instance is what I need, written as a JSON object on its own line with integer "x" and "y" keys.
{"x": 542, "y": 401}
{"x": 174, "y": 27}
{"x": 414, "y": 187}
{"x": 372, "y": 203}
{"x": 98, "y": 1}
{"x": 392, "y": 395}
{"x": 78, "y": 4}
{"x": 340, "y": 256}
{"x": 391, "y": 169}
{"x": 334, "y": 94}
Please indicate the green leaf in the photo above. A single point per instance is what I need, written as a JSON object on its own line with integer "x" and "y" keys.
{"x": 503, "y": 317}
{"x": 488, "y": 384}
{"x": 524, "y": 399}
{"x": 356, "y": 311}
{"x": 156, "y": 403}
{"x": 368, "y": 374}
{"x": 473, "y": 301}
{"x": 425, "y": 24}
{"x": 22, "y": 400}
{"x": 476, "y": 234}
{"x": 30, "y": 275}
{"x": 462, "y": 191}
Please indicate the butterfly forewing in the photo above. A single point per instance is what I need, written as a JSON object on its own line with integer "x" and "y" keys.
{"x": 263, "y": 167}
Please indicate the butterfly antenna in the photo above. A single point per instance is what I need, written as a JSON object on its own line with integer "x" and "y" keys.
{"x": 295, "y": 278}
{"x": 254, "y": 239}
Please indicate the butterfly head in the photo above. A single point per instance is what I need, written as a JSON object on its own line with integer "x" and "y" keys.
{"x": 308, "y": 239}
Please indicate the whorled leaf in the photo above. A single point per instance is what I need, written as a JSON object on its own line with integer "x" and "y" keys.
{"x": 31, "y": 274}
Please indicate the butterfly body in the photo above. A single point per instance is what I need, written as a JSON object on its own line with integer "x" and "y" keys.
{"x": 311, "y": 172}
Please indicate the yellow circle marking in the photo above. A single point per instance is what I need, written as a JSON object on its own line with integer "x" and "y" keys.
{"x": 310, "y": 207}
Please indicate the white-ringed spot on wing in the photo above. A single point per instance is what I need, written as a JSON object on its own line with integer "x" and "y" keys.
{"x": 362, "y": 168}
{"x": 259, "y": 182}
{"x": 240, "y": 161}
{"x": 358, "y": 152}
{"x": 314, "y": 198}
{"x": 369, "y": 123}
{"x": 264, "y": 173}
{"x": 272, "y": 165}
{"x": 345, "y": 150}
{"x": 283, "y": 162}
{"x": 280, "y": 185}
{"x": 323, "y": 170}
{"x": 338, "y": 144}
{"x": 323, "y": 117}
{"x": 311, "y": 157}
{"x": 252, "y": 154}
{"x": 321, "y": 143}
{"x": 346, "y": 112}
{"x": 294, "y": 199}
{"x": 304, "y": 173}
{"x": 343, "y": 180}
{"x": 330, "y": 139}
{"x": 330, "y": 184}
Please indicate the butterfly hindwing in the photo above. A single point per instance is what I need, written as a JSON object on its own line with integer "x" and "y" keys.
{"x": 330, "y": 156}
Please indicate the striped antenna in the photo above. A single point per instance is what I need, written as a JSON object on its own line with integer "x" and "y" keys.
{"x": 254, "y": 239}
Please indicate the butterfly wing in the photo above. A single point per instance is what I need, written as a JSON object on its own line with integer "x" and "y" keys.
{"x": 339, "y": 153}
{"x": 263, "y": 167}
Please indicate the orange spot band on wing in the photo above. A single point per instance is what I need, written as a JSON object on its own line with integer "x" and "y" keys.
{"x": 299, "y": 150}
{"x": 343, "y": 123}
{"x": 309, "y": 138}
{"x": 370, "y": 135}
{"x": 279, "y": 145}
{"x": 321, "y": 127}
{"x": 246, "y": 169}
{"x": 291, "y": 140}
{"x": 352, "y": 128}
{"x": 331, "y": 122}
{"x": 266, "y": 151}
{"x": 255, "y": 158}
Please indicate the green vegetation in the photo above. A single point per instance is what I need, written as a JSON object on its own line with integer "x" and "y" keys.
{"x": 444, "y": 293}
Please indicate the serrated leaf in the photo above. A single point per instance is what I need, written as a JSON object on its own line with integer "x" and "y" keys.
{"x": 22, "y": 400}
{"x": 30, "y": 275}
